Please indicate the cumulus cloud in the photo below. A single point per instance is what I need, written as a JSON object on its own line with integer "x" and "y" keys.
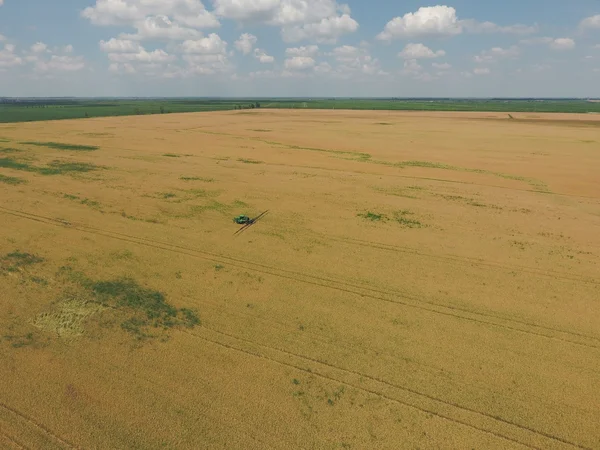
{"x": 160, "y": 27}
{"x": 191, "y": 13}
{"x": 442, "y": 21}
{"x": 120, "y": 46}
{"x": 411, "y": 66}
{"x": 354, "y": 61}
{"x": 562, "y": 44}
{"x": 309, "y": 50}
{"x": 8, "y": 57}
{"x": 481, "y": 71}
{"x": 492, "y": 55}
{"x": 419, "y": 51}
{"x": 157, "y": 55}
{"x": 262, "y": 56}
{"x": 554, "y": 44}
{"x": 426, "y": 21}
{"x": 441, "y": 66}
{"x": 590, "y": 22}
{"x": 317, "y": 20}
{"x": 299, "y": 63}
{"x": 39, "y": 47}
{"x": 208, "y": 45}
{"x": 61, "y": 64}
{"x": 473, "y": 26}
{"x": 328, "y": 30}
{"x": 279, "y": 12}
{"x": 245, "y": 43}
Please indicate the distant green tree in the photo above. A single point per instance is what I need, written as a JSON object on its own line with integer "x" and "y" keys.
{"x": 257, "y": 105}
{"x": 162, "y": 109}
{"x": 86, "y": 114}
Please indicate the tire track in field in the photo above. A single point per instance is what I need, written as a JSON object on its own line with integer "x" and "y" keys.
{"x": 465, "y": 260}
{"x": 282, "y": 145}
{"x": 414, "y": 399}
{"x": 37, "y": 425}
{"x": 12, "y": 441}
{"x": 341, "y": 286}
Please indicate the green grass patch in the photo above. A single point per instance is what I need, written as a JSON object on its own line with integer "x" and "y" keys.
{"x": 143, "y": 308}
{"x": 54, "y": 168}
{"x": 402, "y": 219}
{"x": 206, "y": 180}
{"x": 261, "y": 130}
{"x": 84, "y": 201}
{"x": 11, "y": 180}
{"x": 166, "y": 195}
{"x": 171, "y": 155}
{"x": 60, "y": 146}
{"x": 250, "y": 161}
{"x": 12, "y": 262}
{"x": 10, "y": 150}
{"x": 373, "y": 217}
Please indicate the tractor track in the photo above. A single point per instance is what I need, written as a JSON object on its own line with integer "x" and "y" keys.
{"x": 38, "y": 426}
{"x": 466, "y": 260}
{"x": 340, "y": 286}
{"x": 412, "y": 397}
{"x": 13, "y": 441}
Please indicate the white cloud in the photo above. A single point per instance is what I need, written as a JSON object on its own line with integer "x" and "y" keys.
{"x": 309, "y": 50}
{"x": 245, "y": 43}
{"x": 441, "y": 66}
{"x": 68, "y": 48}
{"x": 317, "y": 20}
{"x": 121, "y": 68}
{"x": 492, "y": 55}
{"x": 442, "y": 20}
{"x": 590, "y": 22}
{"x": 473, "y": 26}
{"x": 419, "y": 51}
{"x": 190, "y": 13}
{"x": 323, "y": 68}
{"x": 562, "y": 44}
{"x": 157, "y": 56}
{"x": 61, "y": 64}
{"x": 481, "y": 71}
{"x": 39, "y": 47}
{"x": 328, "y": 30}
{"x": 536, "y": 40}
{"x": 208, "y": 45}
{"x": 162, "y": 28}
{"x": 427, "y": 21}
{"x": 262, "y": 56}
{"x": 8, "y": 57}
{"x": 120, "y": 46}
{"x": 353, "y": 62}
{"x": 299, "y": 63}
{"x": 278, "y": 12}
{"x": 1, "y": 2}
{"x": 2, "y": 38}
{"x": 554, "y": 44}
{"x": 411, "y": 67}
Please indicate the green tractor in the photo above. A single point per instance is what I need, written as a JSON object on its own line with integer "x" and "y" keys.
{"x": 242, "y": 219}
{"x": 246, "y": 221}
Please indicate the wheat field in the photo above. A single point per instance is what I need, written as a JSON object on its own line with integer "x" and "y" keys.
{"x": 421, "y": 280}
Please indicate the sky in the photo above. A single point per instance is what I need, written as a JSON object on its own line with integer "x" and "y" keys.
{"x": 300, "y": 48}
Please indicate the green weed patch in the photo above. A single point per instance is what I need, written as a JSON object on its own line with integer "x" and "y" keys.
{"x": 60, "y": 146}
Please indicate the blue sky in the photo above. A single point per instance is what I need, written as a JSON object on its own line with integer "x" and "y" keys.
{"x": 299, "y": 48}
